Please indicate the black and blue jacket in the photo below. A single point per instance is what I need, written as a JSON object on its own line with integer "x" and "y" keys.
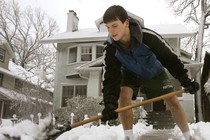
{"x": 147, "y": 58}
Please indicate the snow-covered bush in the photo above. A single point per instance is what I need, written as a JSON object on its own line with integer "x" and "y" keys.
{"x": 80, "y": 106}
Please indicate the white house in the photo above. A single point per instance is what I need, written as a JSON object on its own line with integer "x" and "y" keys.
{"x": 79, "y": 51}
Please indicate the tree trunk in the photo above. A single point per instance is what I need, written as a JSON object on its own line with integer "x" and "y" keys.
{"x": 198, "y": 103}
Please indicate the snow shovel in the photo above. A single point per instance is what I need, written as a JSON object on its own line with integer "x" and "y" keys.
{"x": 97, "y": 117}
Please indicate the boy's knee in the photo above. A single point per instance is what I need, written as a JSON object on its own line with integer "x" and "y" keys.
{"x": 173, "y": 103}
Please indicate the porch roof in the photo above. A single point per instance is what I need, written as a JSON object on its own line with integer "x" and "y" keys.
{"x": 96, "y": 64}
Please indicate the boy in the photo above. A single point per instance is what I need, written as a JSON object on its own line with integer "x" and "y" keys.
{"x": 137, "y": 57}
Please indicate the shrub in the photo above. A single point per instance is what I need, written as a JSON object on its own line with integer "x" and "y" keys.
{"x": 80, "y": 106}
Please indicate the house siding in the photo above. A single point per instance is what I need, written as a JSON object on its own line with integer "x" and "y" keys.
{"x": 63, "y": 69}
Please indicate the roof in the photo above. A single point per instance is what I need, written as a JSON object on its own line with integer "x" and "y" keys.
{"x": 9, "y": 94}
{"x": 171, "y": 30}
{"x": 84, "y": 69}
{"x": 20, "y": 73}
{"x": 82, "y": 35}
{"x": 92, "y": 34}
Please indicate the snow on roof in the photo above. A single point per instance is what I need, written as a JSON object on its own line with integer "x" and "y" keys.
{"x": 11, "y": 94}
{"x": 14, "y": 95}
{"x": 171, "y": 30}
{"x": 21, "y": 73}
{"x": 92, "y": 34}
{"x": 92, "y": 65}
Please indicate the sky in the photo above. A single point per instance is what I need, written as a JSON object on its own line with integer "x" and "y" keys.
{"x": 152, "y": 11}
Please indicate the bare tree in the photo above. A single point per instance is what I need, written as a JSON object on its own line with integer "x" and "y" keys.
{"x": 195, "y": 12}
{"x": 9, "y": 20}
{"x": 23, "y": 30}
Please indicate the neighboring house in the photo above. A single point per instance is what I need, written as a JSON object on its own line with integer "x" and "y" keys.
{"x": 14, "y": 86}
{"x": 79, "y": 61}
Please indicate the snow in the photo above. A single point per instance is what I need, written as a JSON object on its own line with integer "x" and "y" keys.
{"x": 199, "y": 130}
{"x": 27, "y": 130}
{"x": 23, "y": 74}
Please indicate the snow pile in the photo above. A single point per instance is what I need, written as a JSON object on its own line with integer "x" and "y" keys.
{"x": 26, "y": 130}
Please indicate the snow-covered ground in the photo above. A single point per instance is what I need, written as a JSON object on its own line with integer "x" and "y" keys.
{"x": 199, "y": 130}
{"x": 28, "y": 131}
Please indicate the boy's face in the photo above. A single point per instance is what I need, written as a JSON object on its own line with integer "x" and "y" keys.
{"x": 117, "y": 30}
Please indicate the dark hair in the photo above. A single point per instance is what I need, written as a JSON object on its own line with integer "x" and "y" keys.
{"x": 115, "y": 12}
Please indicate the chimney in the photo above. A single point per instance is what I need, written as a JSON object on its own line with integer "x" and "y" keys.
{"x": 72, "y": 21}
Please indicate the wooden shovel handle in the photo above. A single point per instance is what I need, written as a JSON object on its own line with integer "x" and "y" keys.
{"x": 94, "y": 118}
{"x": 165, "y": 96}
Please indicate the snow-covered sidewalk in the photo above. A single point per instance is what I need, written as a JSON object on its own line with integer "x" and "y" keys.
{"x": 142, "y": 132}
{"x": 27, "y": 130}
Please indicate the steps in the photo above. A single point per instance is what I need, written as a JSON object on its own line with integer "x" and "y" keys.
{"x": 160, "y": 120}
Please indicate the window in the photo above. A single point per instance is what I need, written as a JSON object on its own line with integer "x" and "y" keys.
{"x": 71, "y": 91}
{"x": 68, "y": 92}
{"x": 81, "y": 90}
{"x": 99, "y": 51}
{"x": 2, "y": 54}
{"x": 1, "y": 79}
{"x": 18, "y": 84}
{"x": 73, "y": 55}
{"x": 86, "y": 53}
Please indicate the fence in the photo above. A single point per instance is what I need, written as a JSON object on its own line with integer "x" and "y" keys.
{"x": 14, "y": 120}
{"x": 5, "y": 122}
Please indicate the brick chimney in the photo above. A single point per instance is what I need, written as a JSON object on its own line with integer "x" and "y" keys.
{"x": 72, "y": 21}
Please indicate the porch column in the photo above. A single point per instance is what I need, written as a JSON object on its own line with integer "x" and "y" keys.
{"x": 94, "y": 86}
{"x": 2, "y": 109}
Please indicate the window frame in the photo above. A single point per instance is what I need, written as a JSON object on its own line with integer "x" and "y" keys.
{"x": 94, "y": 53}
{"x": 63, "y": 103}
{"x": 89, "y": 54}
{"x": 76, "y": 55}
{"x": 101, "y": 46}
{"x": 1, "y": 79}
{"x": 2, "y": 54}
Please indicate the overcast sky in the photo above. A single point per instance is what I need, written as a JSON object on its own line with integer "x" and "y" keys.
{"x": 152, "y": 11}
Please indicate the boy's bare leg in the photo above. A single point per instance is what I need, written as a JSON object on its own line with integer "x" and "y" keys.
{"x": 126, "y": 117}
{"x": 178, "y": 113}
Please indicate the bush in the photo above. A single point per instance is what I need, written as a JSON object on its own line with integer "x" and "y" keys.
{"x": 80, "y": 106}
